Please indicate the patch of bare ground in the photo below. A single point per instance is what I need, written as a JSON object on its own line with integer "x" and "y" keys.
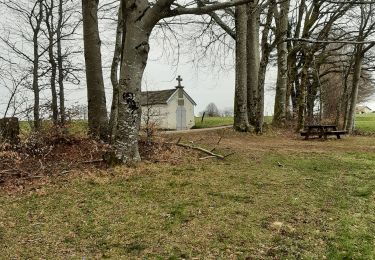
{"x": 281, "y": 141}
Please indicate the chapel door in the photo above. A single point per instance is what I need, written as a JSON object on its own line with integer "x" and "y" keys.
{"x": 181, "y": 118}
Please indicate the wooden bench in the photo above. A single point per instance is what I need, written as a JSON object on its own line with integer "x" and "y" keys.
{"x": 322, "y": 131}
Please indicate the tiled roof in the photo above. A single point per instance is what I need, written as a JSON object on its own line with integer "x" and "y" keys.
{"x": 156, "y": 97}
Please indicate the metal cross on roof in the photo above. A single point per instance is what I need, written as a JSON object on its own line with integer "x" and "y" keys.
{"x": 179, "y": 79}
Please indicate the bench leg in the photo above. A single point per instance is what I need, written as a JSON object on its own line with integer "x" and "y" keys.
{"x": 306, "y": 137}
{"x": 338, "y": 136}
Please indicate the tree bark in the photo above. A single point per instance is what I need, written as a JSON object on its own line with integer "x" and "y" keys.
{"x": 60, "y": 66}
{"x": 253, "y": 61}
{"x": 282, "y": 66}
{"x": 134, "y": 59}
{"x": 51, "y": 44}
{"x": 292, "y": 78}
{"x": 114, "y": 73}
{"x": 36, "y": 90}
{"x": 301, "y": 102}
{"x": 312, "y": 91}
{"x": 241, "y": 122}
{"x": 355, "y": 86}
{"x": 97, "y": 110}
{"x": 266, "y": 50}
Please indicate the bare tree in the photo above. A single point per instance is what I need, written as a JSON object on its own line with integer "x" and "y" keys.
{"x": 49, "y": 20}
{"x": 140, "y": 17}
{"x": 34, "y": 43}
{"x": 212, "y": 110}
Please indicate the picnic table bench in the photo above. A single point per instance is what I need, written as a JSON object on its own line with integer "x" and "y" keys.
{"x": 322, "y": 131}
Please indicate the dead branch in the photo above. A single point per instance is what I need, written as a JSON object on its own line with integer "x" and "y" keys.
{"x": 228, "y": 155}
{"x": 207, "y": 157}
{"x": 93, "y": 161}
{"x": 194, "y": 147}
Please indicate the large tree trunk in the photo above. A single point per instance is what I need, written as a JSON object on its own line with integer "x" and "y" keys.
{"x": 114, "y": 73}
{"x": 97, "y": 110}
{"x": 252, "y": 60}
{"x": 60, "y": 67}
{"x": 135, "y": 53}
{"x": 282, "y": 66}
{"x": 241, "y": 122}
{"x": 355, "y": 86}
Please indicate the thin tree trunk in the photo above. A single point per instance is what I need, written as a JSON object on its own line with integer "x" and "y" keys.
{"x": 312, "y": 91}
{"x": 301, "y": 102}
{"x": 241, "y": 122}
{"x": 50, "y": 28}
{"x": 292, "y": 78}
{"x": 60, "y": 67}
{"x": 36, "y": 90}
{"x": 97, "y": 110}
{"x": 266, "y": 50}
{"x": 252, "y": 60}
{"x": 36, "y": 86}
{"x": 114, "y": 73}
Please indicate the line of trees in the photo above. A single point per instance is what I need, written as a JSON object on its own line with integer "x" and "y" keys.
{"x": 318, "y": 47}
{"x": 322, "y": 51}
{"x": 38, "y": 55}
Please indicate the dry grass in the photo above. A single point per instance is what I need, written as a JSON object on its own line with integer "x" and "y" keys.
{"x": 276, "y": 197}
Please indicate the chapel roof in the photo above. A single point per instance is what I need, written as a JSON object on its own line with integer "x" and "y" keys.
{"x": 160, "y": 97}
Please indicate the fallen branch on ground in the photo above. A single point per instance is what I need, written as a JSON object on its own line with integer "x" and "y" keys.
{"x": 194, "y": 147}
{"x": 93, "y": 161}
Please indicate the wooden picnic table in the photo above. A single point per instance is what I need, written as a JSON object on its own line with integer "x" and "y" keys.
{"x": 322, "y": 131}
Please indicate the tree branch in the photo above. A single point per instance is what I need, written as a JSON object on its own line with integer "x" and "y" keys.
{"x": 204, "y": 9}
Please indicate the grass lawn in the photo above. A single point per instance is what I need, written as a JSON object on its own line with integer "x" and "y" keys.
{"x": 276, "y": 197}
{"x": 365, "y": 122}
{"x": 209, "y": 122}
{"x": 76, "y": 127}
{"x": 212, "y": 122}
